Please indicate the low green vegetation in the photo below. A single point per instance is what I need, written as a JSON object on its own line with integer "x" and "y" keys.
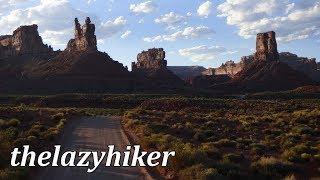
{"x": 213, "y": 138}
{"x": 28, "y": 126}
{"x": 235, "y": 139}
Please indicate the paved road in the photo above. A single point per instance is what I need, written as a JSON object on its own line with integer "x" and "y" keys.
{"x": 92, "y": 134}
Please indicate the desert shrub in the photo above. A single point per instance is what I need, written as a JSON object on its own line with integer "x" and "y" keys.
{"x": 225, "y": 143}
{"x": 51, "y": 134}
{"x": 187, "y": 155}
{"x": 20, "y": 142}
{"x": 211, "y": 151}
{"x": 244, "y": 141}
{"x": 304, "y": 129}
{"x": 290, "y": 177}
{"x": 13, "y": 122}
{"x": 9, "y": 134}
{"x": 13, "y": 173}
{"x": 57, "y": 117}
{"x": 2, "y": 123}
{"x": 230, "y": 170}
{"x": 258, "y": 148}
{"x": 157, "y": 128}
{"x": 199, "y": 136}
{"x": 306, "y": 156}
{"x": 301, "y": 148}
{"x": 61, "y": 124}
{"x": 160, "y": 141}
{"x": 9, "y": 123}
{"x": 32, "y": 139}
{"x": 291, "y": 156}
{"x": 36, "y": 130}
{"x": 231, "y": 157}
{"x": 272, "y": 167}
{"x": 195, "y": 172}
{"x": 199, "y": 172}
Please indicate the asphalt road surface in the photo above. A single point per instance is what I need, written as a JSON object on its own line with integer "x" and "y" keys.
{"x": 92, "y": 134}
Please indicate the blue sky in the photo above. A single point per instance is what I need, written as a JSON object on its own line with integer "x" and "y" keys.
{"x": 193, "y": 32}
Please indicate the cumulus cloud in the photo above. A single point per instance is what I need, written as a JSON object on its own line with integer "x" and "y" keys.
{"x": 111, "y": 27}
{"x": 291, "y": 20}
{"x": 187, "y": 33}
{"x": 170, "y": 19}
{"x": 205, "y": 9}
{"x": 55, "y": 21}
{"x": 54, "y": 17}
{"x": 143, "y": 8}
{"x": 203, "y": 52}
{"x": 6, "y": 5}
{"x": 126, "y": 34}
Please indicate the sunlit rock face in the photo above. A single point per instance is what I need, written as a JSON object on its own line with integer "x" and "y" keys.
{"x": 24, "y": 41}
{"x": 85, "y": 38}
{"x": 153, "y": 59}
{"x": 266, "y": 47}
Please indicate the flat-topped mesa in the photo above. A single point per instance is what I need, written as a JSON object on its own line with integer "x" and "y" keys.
{"x": 25, "y": 40}
{"x": 266, "y": 47}
{"x": 153, "y": 59}
{"x": 85, "y": 38}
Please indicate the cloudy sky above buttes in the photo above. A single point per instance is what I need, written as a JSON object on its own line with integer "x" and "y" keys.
{"x": 193, "y": 32}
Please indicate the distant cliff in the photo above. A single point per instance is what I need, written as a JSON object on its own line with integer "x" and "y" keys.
{"x": 187, "y": 72}
{"x": 24, "y": 41}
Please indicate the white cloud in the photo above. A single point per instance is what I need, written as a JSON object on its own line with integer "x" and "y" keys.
{"x": 187, "y": 33}
{"x": 112, "y": 27}
{"x": 13, "y": 2}
{"x": 7, "y": 5}
{"x": 55, "y": 22}
{"x": 203, "y": 52}
{"x": 52, "y": 16}
{"x": 205, "y": 9}
{"x": 141, "y": 21}
{"x": 126, "y": 34}
{"x": 90, "y": 1}
{"x": 170, "y": 19}
{"x": 145, "y": 7}
{"x": 57, "y": 38}
{"x": 291, "y": 21}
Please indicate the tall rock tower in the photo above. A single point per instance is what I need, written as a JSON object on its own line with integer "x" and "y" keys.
{"x": 266, "y": 47}
{"x": 151, "y": 60}
{"x": 85, "y": 38}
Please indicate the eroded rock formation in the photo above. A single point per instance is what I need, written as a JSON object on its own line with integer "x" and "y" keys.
{"x": 151, "y": 60}
{"x": 25, "y": 40}
{"x": 266, "y": 47}
{"x": 151, "y": 67}
{"x": 85, "y": 38}
{"x": 229, "y": 68}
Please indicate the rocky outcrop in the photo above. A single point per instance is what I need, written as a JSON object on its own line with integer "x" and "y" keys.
{"x": 229, "y": 68}
{"x": 267, "y": 76}
{"x": 85, "y": 38}
{"x": 24, "y": 41}
{"x": 151, "y": 60}
{"x": 265, "y": 72}
{"x": 266, "y": 47}
{"x": 298, "y": 62}
{"x": 152, "y": 67}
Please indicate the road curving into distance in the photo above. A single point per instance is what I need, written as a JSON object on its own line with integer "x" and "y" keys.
{"x": 93, "y": 134}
